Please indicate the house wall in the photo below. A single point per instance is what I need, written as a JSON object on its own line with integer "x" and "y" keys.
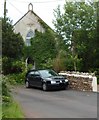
{"x": 29, "y": 21}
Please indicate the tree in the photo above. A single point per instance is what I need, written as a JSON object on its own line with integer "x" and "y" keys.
{"x": 77, "y": 15}
{"x": 12, "y": 46}
{"x": 77, "y": 27}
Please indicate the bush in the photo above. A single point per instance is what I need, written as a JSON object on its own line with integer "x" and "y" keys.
{"x": 58, "y": 64}
{"x": 96, "y": 72}
{"x": 59, "y": 61}
{"x": 15, "y": 70}
{"x": 6, "y": 65}
{"x": 17, "y": 78}
{"x": 11, "y": 66}
{"x": 6, "y": 98}
{"x": 5, "y": 91}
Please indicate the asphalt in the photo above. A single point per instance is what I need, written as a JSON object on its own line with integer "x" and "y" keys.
{"x": 36, "y": 103}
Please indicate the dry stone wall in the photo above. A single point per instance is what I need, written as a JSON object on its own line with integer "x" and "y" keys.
{"x": 81, "y": 81}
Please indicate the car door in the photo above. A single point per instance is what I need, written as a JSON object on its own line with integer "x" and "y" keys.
{"x": 37, "y": 79}
{"x": 31, "y": 78}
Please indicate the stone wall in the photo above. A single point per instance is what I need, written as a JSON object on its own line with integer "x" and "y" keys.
{"x": 81, "y": 81}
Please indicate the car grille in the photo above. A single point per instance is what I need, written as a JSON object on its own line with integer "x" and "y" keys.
{"x": 58, "y": 81}
{"x": 59, "y": 78}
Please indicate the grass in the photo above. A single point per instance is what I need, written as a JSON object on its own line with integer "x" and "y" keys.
{"x": 12, "y": 110}
{"x": 0, "y": 111}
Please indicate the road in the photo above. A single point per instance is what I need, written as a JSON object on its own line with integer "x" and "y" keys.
{"x": 36, "y": 103}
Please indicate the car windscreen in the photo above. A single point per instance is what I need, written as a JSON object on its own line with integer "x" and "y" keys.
{"x": 47, "y": 73}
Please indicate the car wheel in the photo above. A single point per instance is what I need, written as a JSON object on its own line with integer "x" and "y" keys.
{"x": 44, "y": 87}
{"x": 27, "y": 84}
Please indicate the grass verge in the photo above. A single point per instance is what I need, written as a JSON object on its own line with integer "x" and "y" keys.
{"x": 0, "y": 111}
{"x": 12, "y": 110}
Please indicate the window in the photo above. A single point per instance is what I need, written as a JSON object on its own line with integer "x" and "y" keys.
{"x": 29, "y": 35}
{"x": 32, "y": 73}
{"x": 37, "y": 73}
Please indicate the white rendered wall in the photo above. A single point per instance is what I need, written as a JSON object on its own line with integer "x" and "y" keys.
{"x": 29, "y": 21}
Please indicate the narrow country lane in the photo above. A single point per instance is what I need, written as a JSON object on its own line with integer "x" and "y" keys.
{"x": 36, "y": 103}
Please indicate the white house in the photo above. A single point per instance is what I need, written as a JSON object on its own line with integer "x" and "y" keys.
{"x": 27, "y": 25}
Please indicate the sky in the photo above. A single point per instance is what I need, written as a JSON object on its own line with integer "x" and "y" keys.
{"x": 43, "y": 8}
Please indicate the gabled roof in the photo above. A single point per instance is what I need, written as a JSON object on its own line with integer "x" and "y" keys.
{"x": 39, "y": 19}
{"x": 21, "y": 18}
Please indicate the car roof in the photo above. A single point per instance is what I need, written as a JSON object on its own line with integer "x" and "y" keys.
{"x": 38, "y": 70}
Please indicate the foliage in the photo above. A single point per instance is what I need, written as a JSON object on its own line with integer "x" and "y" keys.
{"x": 97, "y": 79}
{"x": 12, "y": 47}
{"x": 5, "y": 91}
{"x": 77, "y": 15}
{"x": 96, "y": 71}
{"x": 15, "y": 70}
{"x": 72, "y": 63}
{"x": 77, "y": 27}
{"x": 17, "y": 77}
{"x": 87, "y": 49}
{"x": 6, "y": 65}
{"x": 42, "y": 49}
{"x": 9, "y": 107}
{"x": 65, "y": 61}
{"x": 12, "y": 66}
{"x": 6, "y": 97}
{"x": 12, "y": 44}
{"x": 48, "y": 64}
{"x": 12, "y": 110}
{"x": 18, "y": 66}
{"x": 59, "y": 61}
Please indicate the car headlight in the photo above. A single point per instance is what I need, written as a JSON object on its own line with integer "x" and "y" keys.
{"x": 66, "y": 80}
{"x": 53, "y": 82}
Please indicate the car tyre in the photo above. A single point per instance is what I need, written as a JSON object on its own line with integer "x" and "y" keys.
{"x": 44, "y": 87}
{"x": 27, "y": 84}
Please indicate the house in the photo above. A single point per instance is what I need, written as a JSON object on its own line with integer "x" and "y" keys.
{"x": 28, "y": 24}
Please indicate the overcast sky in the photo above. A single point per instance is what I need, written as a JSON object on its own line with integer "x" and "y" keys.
{"x": 43, "y": 8}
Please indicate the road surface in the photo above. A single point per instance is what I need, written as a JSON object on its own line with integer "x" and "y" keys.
{"x": 36, "y": 103}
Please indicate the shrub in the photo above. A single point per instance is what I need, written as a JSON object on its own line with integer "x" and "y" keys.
{"x": 59, "y": 61}
{"x": 6, "y": 98}
{"x": 58, "y": 64}
{"x": 11, "y": 66}
{"x": 96, "y": 72}
{"x": 17, "y": 72}
{"x": 17, "y": 78}
{"x": 6, "y": 65}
